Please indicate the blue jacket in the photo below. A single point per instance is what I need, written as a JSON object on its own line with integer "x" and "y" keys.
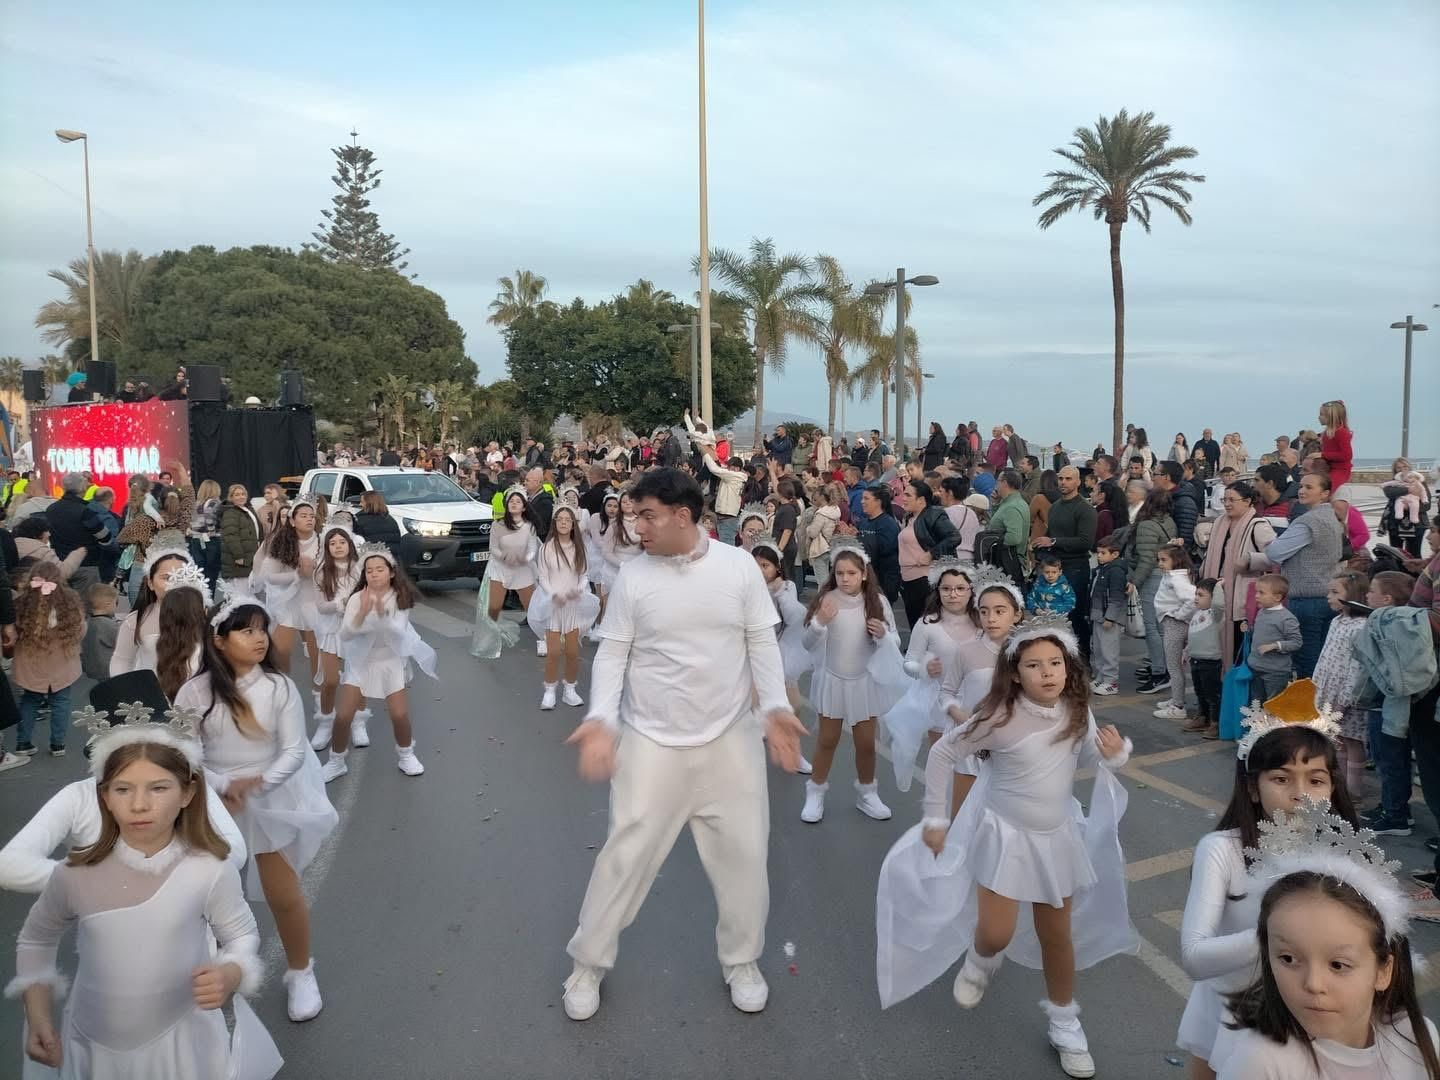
{"x": 1397, "y": 655}
{"x": 855, "y": 512}
{"x": 1056, "y": 599}
{"x": 881, "y": 537}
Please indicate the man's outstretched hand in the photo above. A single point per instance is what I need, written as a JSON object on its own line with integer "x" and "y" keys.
{"x": 597, "y": 750}
{"x": 782, "y": 733}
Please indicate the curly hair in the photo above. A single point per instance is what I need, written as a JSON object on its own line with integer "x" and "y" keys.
{"x": 34, "y": 609}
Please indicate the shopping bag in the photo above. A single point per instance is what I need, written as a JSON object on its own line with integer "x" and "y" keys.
{"x": 1134, "y": 616}
{"x": 1234, "y": 694}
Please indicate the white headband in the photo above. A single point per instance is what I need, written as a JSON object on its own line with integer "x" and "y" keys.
{"x": 1260, "y": 722}
{"x": 847, "y": 546}
{"x": 160, "y": 554}
{"x": 1040, "y": 627}
{"x": 191, "y": 576}
{"x": 179, "y": 730}
{"x": 233, "y": 603}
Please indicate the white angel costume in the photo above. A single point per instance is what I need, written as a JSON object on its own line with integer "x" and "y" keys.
{"x": 289, "y": 812}
{"x": 291, "y": 595}
{"x": 328, "y": 613}
{"x": 563, "y": 601}
{"x": 1392, "y": 1055}
{"x": 594, "y": 542}
{"x": 793, "y": 655}
{"x": 854, "y": 676}
{"x": 136, "y": 655}
{"x": 143, "y": 925}
{"x": 378, "y": 649}
{"x": 922, "y": 709}
{"x": 512, "y": 552}
{"x": 618, "y": 552}
{"x": 1021, "y": 833}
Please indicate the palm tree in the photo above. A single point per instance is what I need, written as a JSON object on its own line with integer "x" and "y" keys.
{"x": 644, "y": 290}
{"x": 852, "y": 322}
{"x": 396, "y": 393}
{"x": 778, "y": 297}
{"x": 878, "y": 370}
{"x": 12, "y": 378}
{"x": 524, "y": 292}
{"x": 54, "y": 370}
{"x": 1120, "y": 166}
{"x": 119, "y": 279}
{"x": 452, "y": 402}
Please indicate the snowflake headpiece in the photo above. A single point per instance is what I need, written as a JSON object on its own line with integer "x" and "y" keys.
{"x": 752, "y": 510}
{"x": 167, "y": 544}
{"x": 345, "y": 530}
{"x": 231, "y": 600}
{"x": 1295, "y": 705}
{"x": 988, "y": 576}
{"x": 770, "y": 544}
{"x": 379, "y": 550}
{"x": 940, "y": 567}
{"x": 568, "y": 495}
{"x": 180, "y": 729}
{"x": 848, "y": 545}
{"x": 515, "y": 489}
{"x": 1312, "y": 839}
{"x": 304, "y": 500}
{"x": 191, "y": 576}
{"x": 1043, "y": 626}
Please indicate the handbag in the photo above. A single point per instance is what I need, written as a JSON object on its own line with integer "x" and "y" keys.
{"x": 1235, "y": 694}
{"x": 1134, "y": 615}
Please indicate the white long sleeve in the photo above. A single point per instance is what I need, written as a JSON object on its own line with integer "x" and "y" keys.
{"x": 1205, "y": 951}
{"x": 607, "y": 681}
{"x": 122, "y": 658}
{"x": 38, "y": 944}
{"x": 290, "y": 733}
{"x": 947, "y": 752}
{"x": 233, "y": 924}
{"x": 766, "y": 669}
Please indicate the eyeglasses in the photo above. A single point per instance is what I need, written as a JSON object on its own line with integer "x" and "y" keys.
{"x": 953, "y": 590}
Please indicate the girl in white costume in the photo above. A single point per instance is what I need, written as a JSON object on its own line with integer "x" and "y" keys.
{"x": 1020, "y": 840}
{"x": 257, "y": 758}
{"x": 1276, "y": 765}
{"x": 135, "y": 642}
{"x": 594, "y": 529}
{"x": 513, "y": 543}
{"x": 1335, "y": 995}
{"x": 184, "y": 626}
{"x": 754, "y": 523}
{"x": 285, "y": 574}
{"x": 146, "y": 897}
{"x": 335, "y": 579}
{"x": 621, "y": 541}
{"x": 791, "y": 629}
{"x": 949, "y": 623}
{"x": 564, "y": 608}
{"x": 857, "y": 674}
{"x": 377, "y": 644}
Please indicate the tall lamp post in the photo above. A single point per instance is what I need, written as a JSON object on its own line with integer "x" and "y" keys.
{"x": 879, "y": 288}
{"x": 65, "y": 135}
{"x": 707, "y": 403}
{"x": 921, "y": 439}
{"x": 1410, "y": 326}
{"x": 692, "y": 328}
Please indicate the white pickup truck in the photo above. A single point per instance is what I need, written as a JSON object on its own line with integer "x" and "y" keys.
{"x": 445, "y": 532}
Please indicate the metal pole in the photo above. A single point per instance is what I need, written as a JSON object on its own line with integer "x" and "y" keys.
{"x": 900, "y": 364}
{"x": 707, "y": 403}
{"x": 90, "y": 259}
{"x": 920, "y": 439}
{"x": 1405, "y": 416}
{"x": 695, "y": 365}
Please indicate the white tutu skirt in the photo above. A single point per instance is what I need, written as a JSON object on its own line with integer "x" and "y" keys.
{"x": 907, "y": 724}
{"x": 580, "y": 614}
{"x": 794, "y": 658}
{"x": 1201, "y": 1020}
{"x": 512, "y": 577}
{"x": 873, "y": 693}
{"x": 293, "y": 819}
{"x": 925, "y": 906}
{"x": 377, "y": 679}
{"x": 327, "y": 634}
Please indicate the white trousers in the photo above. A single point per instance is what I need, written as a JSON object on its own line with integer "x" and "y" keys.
{"x": 719, "y": 790}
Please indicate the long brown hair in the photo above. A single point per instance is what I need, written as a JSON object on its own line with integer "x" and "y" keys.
{"x": 869, "y": 588}
{"x": 223, "y": 688}
{"x": 193, "y": 825}
{"x": 284, "y": 543}
{"x": 328, "y": 573}
{"x": 405, "y": 592}
{"x": 1261, "y": 1007}
{"x": 998, "y": 706}
{"x": 576, "y": 564}
{"x": 183, "y": 627}
{"x": 33, "y": 610}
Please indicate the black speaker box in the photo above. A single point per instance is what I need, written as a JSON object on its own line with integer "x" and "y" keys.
{"x": 292, "y": 388}
{"x": 203, "y": 381}
{"x": 34, "y": 384}
{"x": 100, "y": 378}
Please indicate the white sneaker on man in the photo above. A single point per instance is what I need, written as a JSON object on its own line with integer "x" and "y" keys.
{"x": 582, "y": 991}
{"x": 571, "y": 696}
{"x": 408, "y": 762}
{"x": 867, "y": 801}
{"x": 1068, "y": 1038}
{"x": 814, "y": 802}
{"x": 334, "y": 766}
{"x": 540, "y": 649}
{"x": 547, "y": 699}
{"x": 302, "y": 994}
{"x": 11, "y": 761}
{"x": 359, "y": 731}
{"x": 324, "y": 726}
{"x": 748, "y": 989}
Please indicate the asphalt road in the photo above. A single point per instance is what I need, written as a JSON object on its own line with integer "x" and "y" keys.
{"x": 442, "y": 906}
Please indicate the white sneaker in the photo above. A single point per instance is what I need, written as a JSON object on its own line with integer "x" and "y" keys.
{"x": 1068, "y": 1038}
{"x": 814, "y": 802}
{"x": 748, "y": 990}
{"x": 302, "y": 994}
{"x": 571, "y": 696}
{"x": 547, "y": 699}
{"x": 10, "y": 761}
{"x": 804, "y": 768}
{"x": 324, "y": 725}
{"x": 1171, "y": 711}
{"x": 975, "y": 975}
{"x": 359, "y": 732}
{"x": 1105, "y": 689}
{"x": 408, "y": 762}
{"x": 540, "y": 648}
{"x": 334, "y": 766}
{"x": 867, "y": 801}
{"x": 582, "y": 991}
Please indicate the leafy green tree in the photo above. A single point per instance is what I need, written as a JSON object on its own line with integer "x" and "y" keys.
{"x": 257, "y": 311}
{"x": 1119, "y": 166}
{"x": 878, "y": 370}
{"x": 351, "y": 231}
{"x": 521, "y": 293}
{"x": 850, "y": 321}
{"x": 452, "y": 402}
{"x": 12, "y": 379}
{"x": 120, "y": 282}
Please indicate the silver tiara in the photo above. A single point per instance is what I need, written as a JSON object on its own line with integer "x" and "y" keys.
{"x": 1043, "y": 626}
{"x": 753, "y": 510}
{"x": 842, "y": 545}
{"x": 165, "y": 549}
{"x": 191, "y": 576}
{"x": 769, "y": 543}
{"x": 515, "y": 489}
{"x": 940, "y": 567}
{"x": 366, "y": 550}
{"x": 988, "y": 576}
{"x": 230, "y": 601}
{"x": 1259, "y": 722}
{"x": 133, "y": 723}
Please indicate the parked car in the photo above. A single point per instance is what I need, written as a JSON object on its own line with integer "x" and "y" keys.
{"x": 446, "y": 532}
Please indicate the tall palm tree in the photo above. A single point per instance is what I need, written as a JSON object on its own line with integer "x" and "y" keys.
{"x": 12, "y": 378}
{"x": 54, "y": 369}
{"x": 1119, "y": 166}
{"x": 779, "y": 298}
{"x": 851, "y": 320}
{"x": 645, "y": 290}
{"x": 452, "y": 402}
{"x": 119, "y": 282}
{"x": 397, "y": 394}
{"x": 878, "y": 370}
{"x": 523, "y": 292}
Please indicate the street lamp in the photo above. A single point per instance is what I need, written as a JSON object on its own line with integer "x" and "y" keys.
{"x": 879, "y": 288}
{"x": 65, "y": 135}
{"x": 706, "y": 398}
{"x": 1410, "y": 326}
{"x": 920, "y": 438}
{"x": 692, "y": 328}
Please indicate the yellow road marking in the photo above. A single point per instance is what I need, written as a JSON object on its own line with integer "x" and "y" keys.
{"x": 1171, "y": 919}
{"x": 1156, "y": 865}
{"x": 1184, "y": 794}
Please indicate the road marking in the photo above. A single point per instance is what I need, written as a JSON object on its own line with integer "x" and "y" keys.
{"x": 432, "y": 618}
{"x": 1184, "y": 794}
{"x": 1156, "y": 865}
{"x": 1164, "y": 757}
{"x": 1172, "y": 919}
{"x": 1169, "y": 972}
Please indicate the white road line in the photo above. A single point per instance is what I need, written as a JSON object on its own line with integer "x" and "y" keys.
{"x": 1169, "y": 972}
{"x": 432, "y": 618}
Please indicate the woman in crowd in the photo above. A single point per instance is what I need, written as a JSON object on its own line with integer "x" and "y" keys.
{"x": 1179, "y": 449}
{"x": 240, "y": 535}
{"x": 927, "y": 535}
{"x": 1154, "y": 528}
{"x": 954, "y": 490}
{"x": 204, "y": 533}
{"x": 374, "y": 523}
{"x": 1237, "y": 535}
{"x": 1233, "y": 454}
{"x": 1042, "y": 501}
{"x": 935, "y": 449}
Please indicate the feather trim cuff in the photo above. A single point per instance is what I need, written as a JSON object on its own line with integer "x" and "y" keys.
{"x": 1119, "y": 760}
{"x": 58, "y": 983}
{"x": 934, "y": 823}
{"x": 252, "y": 971}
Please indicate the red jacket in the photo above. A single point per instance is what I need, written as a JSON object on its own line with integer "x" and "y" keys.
{"x": 1336, "y": 450}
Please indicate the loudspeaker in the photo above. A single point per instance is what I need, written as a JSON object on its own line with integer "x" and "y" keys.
{"x": 292, "y": 388}
{"x": 100, "y": 378}
{"x": 34, "y": 384}
{"x": 203, "y": 381}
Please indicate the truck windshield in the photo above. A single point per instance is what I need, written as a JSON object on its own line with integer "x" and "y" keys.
{"x": 406, "y": 489}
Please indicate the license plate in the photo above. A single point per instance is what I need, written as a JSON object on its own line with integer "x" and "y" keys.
{"x": 480, "y": 556}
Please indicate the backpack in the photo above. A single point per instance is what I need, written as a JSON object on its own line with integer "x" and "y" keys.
{"x": 990, "y": 547}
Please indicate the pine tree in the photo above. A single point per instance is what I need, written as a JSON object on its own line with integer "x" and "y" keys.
{"x": 351, "y": 232}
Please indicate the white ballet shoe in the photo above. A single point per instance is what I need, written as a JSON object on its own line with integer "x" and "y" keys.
{"x": 1068, "y": 1038}
{"x": 975, "y": 975}
{"x": 547, "y": 699}
{"x": 814, "y": 808}
{"x": 571, "y": 696}
{"x": 359, "y": 733}
{"x": 408, "y": 762}
{"x": 324, "y": 725}
{"x": 302, "y": 994}
{"x": 804, "y": 768}
{"x": 867, "y": 801}
{"x": 334, "y": 766}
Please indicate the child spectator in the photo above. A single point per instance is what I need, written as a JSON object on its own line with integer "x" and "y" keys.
{"x": 101, "y": 633}
{"x": 1338, "y": 674}
{"x": 1051, "y": 594}
{"x": 1202, "y": 644}
{"x": 51, "y": 625}
{"x": 1107, "y": 613}
{"x": 1275, "y": 639}
{"x": 1174, "y": 604}
{"x": 1391, "y": 753}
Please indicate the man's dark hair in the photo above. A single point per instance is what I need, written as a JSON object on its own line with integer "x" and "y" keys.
{"x": 1136, "y": 457}
{"x": 1274, "y": 474}
{"x": 985, "y": 466}
{"x": 1032, "y": 461}
{"x": 1172, "y": 471}
{"x": 1012, "y": 479}
{"x": 1109, "y": 460}
{"x": 672, "y": 488}
{"x": 33, "y": 527}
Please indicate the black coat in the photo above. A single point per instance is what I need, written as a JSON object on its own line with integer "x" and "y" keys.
{"x": 378, "y": 529}
{"x": 74, "y": 524}
{"x": 935, "y": 450}
{"x": 935, "y": 532}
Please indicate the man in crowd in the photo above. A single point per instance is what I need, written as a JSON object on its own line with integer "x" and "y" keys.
{"x": 1030, "y": 472}
{"x": 879, "y": 449}
{"x": 1210, "y": 448}
{"x": 542, "y": 503}
{"x": 1271, "y": 482}
{"x": 75, "y": 524}
{"x": 1014, "y": 446}
{"x": 593, "y": 501}
{"x": 781, "y": 448}
{"x": 1183, "y": 507}
{"x": 984, "y": 482}
{"x": 1071, "y": 528}
{"x": 1012, "y": 516}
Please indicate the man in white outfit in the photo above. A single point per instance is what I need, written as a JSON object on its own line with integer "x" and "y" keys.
{"x": 688, "y": 636}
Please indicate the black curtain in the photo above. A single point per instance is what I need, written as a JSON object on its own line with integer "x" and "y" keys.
{"x": 253, "y": 447}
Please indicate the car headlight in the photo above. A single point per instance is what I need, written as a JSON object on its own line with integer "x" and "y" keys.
{"x": 426, "y": 528}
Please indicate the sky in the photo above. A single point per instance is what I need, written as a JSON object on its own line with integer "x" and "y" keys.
{"x": 560, "y": 137}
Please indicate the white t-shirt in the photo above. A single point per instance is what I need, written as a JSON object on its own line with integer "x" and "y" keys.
{"x": 1392, "y": 1055}
{"x": 686, "y": 625}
